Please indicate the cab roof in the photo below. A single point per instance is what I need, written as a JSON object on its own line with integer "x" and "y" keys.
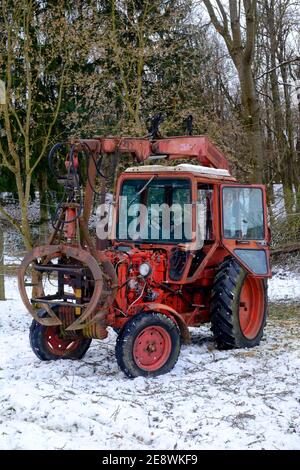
{"x": 196, "y": 170}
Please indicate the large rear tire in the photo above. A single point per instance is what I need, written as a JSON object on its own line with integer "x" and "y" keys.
{"x": 238, "y": 307}
{"x": 48, "y": 344}
{"x": 148, "y": 345}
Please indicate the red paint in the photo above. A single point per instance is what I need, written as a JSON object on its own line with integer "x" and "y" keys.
{"x": 152, "y": 348}
{"x": 70, "y": 225}
{"x": 232, "y": 244}
{"x": 58, "y": 345}
{"x": 251, "y": 310}
{"x": 74, "y": 161}
{"x": 189, "y": 296}
{"x": 196, "y": 147}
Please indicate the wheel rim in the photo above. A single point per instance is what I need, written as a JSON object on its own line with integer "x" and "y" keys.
{"x": 251, "y": 309}
{"x": 152, "y": 348}
{"x": 58, "y": 345}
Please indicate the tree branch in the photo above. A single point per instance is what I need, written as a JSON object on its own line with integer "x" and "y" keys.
{"x": 224, "y": 15}
{"x": 47, "y": 138}
{"x": 115, "y": 47}
{"x": 13, "y": 221}
{"x": 290, "y": 61}
{"x": 7, "y": 122}
{"x": 27, "y": 65}
{"x": 220, "y": 28}
{"x": 5, "y": 159}
{"x": 250, "y": 13}
{"x": 235, "y": 25}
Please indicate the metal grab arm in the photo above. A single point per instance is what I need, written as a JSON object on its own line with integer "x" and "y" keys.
{"x": 194, "y": 147}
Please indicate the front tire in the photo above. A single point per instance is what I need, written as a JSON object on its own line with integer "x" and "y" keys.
{"x": 48, "y": 344}
{"x": 148, "y": 345}
{"x": 238, "y": 307}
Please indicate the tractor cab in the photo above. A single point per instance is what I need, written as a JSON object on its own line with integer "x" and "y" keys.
{"x": 187, "y": 210}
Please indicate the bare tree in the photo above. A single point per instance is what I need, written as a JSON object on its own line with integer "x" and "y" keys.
{"x": 238, "y": 26}
{"x": 37, "y": 47}
{"x": 2, "y": 287}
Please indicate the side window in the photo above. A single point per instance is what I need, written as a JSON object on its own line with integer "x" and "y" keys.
{"x": 204, "y": 213}
{"x": 243, "y": 213}
{"x": 129, "y": 193}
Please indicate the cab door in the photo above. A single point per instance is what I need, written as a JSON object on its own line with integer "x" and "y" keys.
{"x": 244, "y": 228}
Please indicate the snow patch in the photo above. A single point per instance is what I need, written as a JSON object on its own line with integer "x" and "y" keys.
{"x": 242, "y": 399}
{"x": 284, "y": 285}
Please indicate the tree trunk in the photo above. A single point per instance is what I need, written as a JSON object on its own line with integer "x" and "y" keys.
{"x": 285, "y": 160}
{"x": 42, "y": 187}
{"x": 2, "y": 287}
{"x": 251, "y": 119}
{"x": 272, "y": 170}
{"x": 241, "y": 48}
{"x": 297, "y": 146}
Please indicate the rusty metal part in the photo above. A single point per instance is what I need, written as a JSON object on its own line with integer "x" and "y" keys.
{"x": 107, "y": 266}
{"x": 97, "y": 330}
{"x": 53, "y": 251}
{"x": 81, "y": 145}
{"x": 70, "y": 205}
{"x": 196, "y": 147}
{"x": 56, "y": 231}
{"x": 89, "y": 193}
{"x": 67, "y": 317}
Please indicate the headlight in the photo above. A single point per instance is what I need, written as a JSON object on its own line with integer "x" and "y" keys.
{"x": 145, "y": 269}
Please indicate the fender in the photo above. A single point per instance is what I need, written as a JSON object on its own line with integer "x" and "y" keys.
{"x": 172, "y": 313}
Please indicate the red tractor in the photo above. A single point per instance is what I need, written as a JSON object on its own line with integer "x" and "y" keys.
{"x": 187, "y": 245}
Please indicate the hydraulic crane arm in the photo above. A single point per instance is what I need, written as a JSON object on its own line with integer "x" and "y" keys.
{"x": 171, "y": 148}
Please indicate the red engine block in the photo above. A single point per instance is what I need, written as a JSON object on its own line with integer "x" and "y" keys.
{"x": 136, "y": 290}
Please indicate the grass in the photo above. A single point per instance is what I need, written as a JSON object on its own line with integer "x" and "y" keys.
{"x": 9, "y": 270}
{"x": 284, "y": 310}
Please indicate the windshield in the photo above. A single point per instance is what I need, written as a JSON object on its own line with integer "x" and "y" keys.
{"x": 243, "y": 214}
{"x": 155, "y": 211}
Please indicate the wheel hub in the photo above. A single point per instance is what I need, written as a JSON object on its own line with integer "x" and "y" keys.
{"x": 58, "y": 344}
{"x": 152, "y": 348}
{"x": 251, "y": 308}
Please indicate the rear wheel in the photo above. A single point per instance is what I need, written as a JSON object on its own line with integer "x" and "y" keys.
{"x": 148, "y": 345}
{"x": 49, "y": 343}
{"x": 238, "y": 307}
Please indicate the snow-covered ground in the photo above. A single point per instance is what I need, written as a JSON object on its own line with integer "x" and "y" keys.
{"x": 284, "y": 286}
{"x": 245, "y": 399}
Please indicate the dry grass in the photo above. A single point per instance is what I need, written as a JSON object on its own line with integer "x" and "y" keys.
{"x": 9, "y": 270}
{"x": 284, "y": 311}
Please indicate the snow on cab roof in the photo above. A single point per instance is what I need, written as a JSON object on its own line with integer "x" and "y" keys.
{"x": 201, "y": 170}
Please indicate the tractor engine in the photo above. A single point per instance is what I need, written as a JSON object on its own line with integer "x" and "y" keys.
{"x": 142, "y": 276}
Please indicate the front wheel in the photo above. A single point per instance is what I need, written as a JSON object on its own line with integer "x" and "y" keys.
{"x": 238, "y": 307}
{"x": 49, "y": 343}
{"x": 148, "y": 345}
